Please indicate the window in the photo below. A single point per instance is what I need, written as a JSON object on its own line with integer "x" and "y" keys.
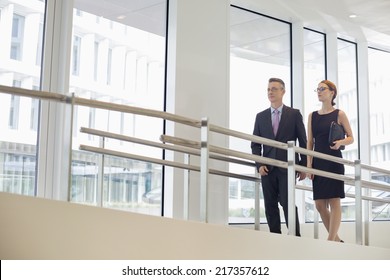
{"x": 17, "y": 37}
{"x": 34, "y": 114}
{"x": 20, "y": 115}
{"x": 314, "y": 68}
{"x": 260, "y": 49}
{"x": 76, "y": 55}
{"x": 18, "y": 174}
{"x": 347, "y": 92}
{"x": 14, "y": 112}
{"x": 347, "y": 101}
{"x": 109, "y": 66}
{"x": 39, "y": 46}
{"x": 379, "y": 82}
{"x": 314, "y": 72}
{"x": 95, "y": 61}
{"x": 120, "y": 61}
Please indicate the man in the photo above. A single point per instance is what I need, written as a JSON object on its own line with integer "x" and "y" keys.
{"x": 283, "y": 124}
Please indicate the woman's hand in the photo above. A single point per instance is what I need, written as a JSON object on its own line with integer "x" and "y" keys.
{"x": 336, "y": 145}
{"x": 309, "y": 175}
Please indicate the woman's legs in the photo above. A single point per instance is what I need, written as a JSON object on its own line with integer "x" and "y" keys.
{"x": 330, "y": 218}
{"x": 335, "y": 218}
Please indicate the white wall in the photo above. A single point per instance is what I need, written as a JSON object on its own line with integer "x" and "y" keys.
{"x": 198, "y": 86}
{"x": 36, "y": 228}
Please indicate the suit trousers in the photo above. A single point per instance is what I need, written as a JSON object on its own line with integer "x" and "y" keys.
{"x": 275, "y": 191}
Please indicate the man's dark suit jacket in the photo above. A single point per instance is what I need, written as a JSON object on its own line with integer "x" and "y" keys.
{"x": 291, "y": 128}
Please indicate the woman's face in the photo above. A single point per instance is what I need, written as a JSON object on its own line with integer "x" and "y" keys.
{"x": 324, "y": 93}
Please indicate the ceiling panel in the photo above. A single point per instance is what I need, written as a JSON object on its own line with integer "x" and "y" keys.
{"x": 148, "y": 15}
{"x": 372, "y": 22}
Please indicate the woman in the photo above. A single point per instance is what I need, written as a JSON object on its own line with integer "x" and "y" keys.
{"x": 327, "y": 192}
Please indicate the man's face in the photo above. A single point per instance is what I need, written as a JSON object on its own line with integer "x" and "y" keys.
{"x": 275, "y": 92}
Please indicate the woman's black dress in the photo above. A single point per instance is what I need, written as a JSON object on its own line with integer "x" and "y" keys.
{"x": 324, "y": 188}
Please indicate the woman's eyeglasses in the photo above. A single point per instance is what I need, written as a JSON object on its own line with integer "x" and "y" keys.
{"x": 321, "y": 89}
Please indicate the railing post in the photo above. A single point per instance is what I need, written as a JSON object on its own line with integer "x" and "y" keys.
{"x": 358, "y": 203}
{"x": 100, "y": 177}
{"x": 291, "y": 187}
{"x": 367, "y": 213}
{"x": 257, "y": 202}
{"x": 70, "y": 149}
{"x": 186, "y": 187}
{"x": 204, "y": 169}
{"x": 316, "y": 221}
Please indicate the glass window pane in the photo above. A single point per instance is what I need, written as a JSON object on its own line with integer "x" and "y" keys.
{"x": 17, "y": 36}
{"x": 259, "y": 49}
{"x": 118, "y": 59}
{"x": 314, "y": 72}
{"x": 379, "y": 83}
{"x": 314, "y": 69}
{"x": 20, "y": 45}
{"x": 347, "y": 101}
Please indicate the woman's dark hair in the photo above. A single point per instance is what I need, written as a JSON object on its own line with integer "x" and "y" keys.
{"x": 332, "y": 87}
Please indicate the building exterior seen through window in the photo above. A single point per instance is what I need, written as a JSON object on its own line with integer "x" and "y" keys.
{"x": 117, "y": 62}
{"x": 21, "y": 33}
{"x": 113, "y": 60}
{"x": 379, "y": 82}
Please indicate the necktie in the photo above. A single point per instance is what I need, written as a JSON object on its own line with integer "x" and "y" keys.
{"x": 275, "y": 121}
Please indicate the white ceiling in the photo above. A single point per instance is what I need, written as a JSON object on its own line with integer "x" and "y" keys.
{"x": 147, "y": 15}
{"x": 372, "y": 23}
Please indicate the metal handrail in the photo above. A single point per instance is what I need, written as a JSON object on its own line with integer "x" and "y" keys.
{"x": 136, "y": 110}
{"x": 39, "y": 94}
{"x": 276, "y": 144}
{"x": 99, "y": 104}
{"x": 163, "y": 162}
{"x": 229, "y": 152}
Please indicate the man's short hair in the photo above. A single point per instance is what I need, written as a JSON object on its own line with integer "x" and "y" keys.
{"x": 276, "y": 80}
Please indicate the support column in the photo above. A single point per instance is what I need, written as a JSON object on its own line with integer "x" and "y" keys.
{"x": 54, "y": 147}
{"x": 197, "y": 82}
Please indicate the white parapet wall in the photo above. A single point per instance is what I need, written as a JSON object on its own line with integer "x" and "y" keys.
{"x": 35, "y": 228}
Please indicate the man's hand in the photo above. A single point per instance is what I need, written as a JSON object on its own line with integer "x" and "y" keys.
{"x": 263, "y": 170}
{"x": 301, "y": 175}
